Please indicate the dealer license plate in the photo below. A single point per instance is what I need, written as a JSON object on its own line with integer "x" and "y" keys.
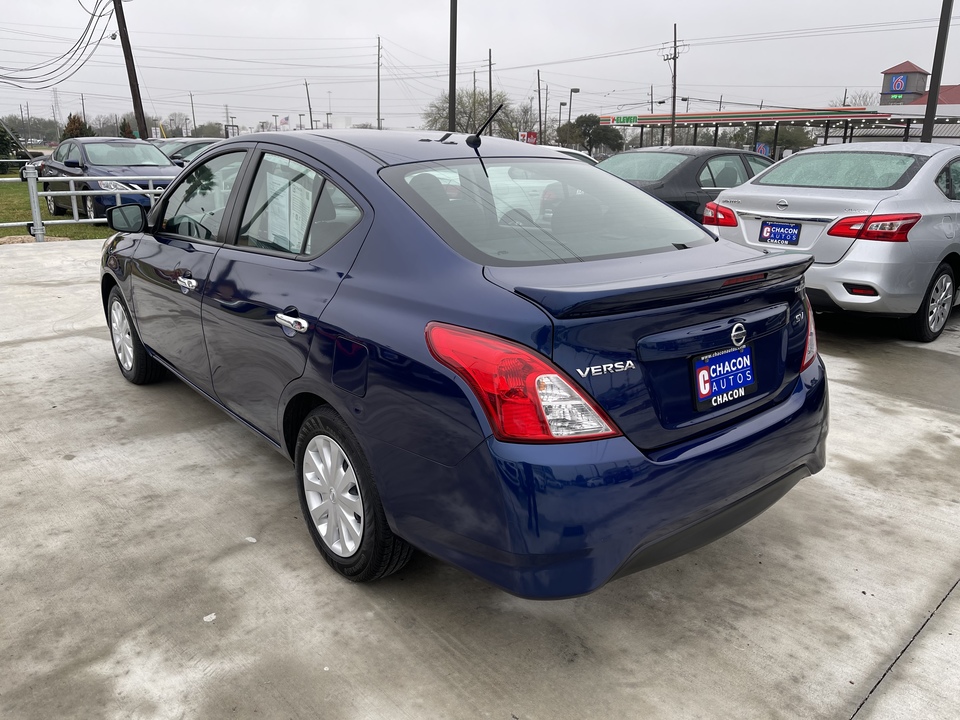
{"x": 779, "y": 233}
{"x": 723, "y": 377}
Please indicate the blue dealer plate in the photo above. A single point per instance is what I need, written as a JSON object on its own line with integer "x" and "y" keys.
{"x": 723, "y": 377}
{"x": 779, "y": 233}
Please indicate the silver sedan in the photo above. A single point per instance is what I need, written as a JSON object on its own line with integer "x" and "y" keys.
{"x": 882, "y": 221}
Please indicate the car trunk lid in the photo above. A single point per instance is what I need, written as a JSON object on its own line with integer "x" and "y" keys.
{"x": 637, "y": 334}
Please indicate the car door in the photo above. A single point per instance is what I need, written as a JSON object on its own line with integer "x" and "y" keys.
{"x": 292, "y": 242}
{"x": 171, "y": 265}
{"x": 62, "y": 171}
{"x": 719, "y": 173}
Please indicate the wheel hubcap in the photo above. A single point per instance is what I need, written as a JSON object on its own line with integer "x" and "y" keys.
{"x": 50, "y": 205}
{"x": 941, "y": 300}
{"x": 90, "y": 211}
{"x": 122, "y": 339}
{"x": 333, "y": 495}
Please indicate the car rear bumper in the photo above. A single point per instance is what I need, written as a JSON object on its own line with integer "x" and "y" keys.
{"x": 574, "y": 516}
{"x": 889, "y": 268}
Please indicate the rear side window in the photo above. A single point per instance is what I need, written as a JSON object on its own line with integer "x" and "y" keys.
{"x": 644, "y": 166}
{"x": 539, "y": 211}
{"x": 725, "y": 171}
{"x": 277, "y": 215}
{"x": 844, "y": 170}
{"x": 758, "y": 164}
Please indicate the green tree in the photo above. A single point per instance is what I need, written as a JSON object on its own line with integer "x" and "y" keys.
{"x": 76, "y": 127}
{"x": 594, "y": 135}
{"x": 569, "y": 135}
{"x": 125, "y": 129}
{"x": 472, "y": 110}
{"x": 793, "y": 137}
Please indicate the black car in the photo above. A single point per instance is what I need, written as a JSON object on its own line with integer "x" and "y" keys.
{"x": 127, "y": 160}
{"x": 686, "y": 176}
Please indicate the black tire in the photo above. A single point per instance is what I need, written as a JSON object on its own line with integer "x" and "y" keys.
{"x": 928, "y": 322}
{"x": 132, "y": 358}
{"x": 374, "y": 551}
{"x": 52, "y": 206}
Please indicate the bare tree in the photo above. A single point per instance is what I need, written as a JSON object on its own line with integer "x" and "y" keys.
{"x": 471, "y": 113}
{"x": 857, "y": 98}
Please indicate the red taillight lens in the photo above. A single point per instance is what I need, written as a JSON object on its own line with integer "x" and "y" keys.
{"x": 524, "y": 396}
{"x": 810, "y": 349}
{"x": 719, "y": 215}
{"x": 888, "y": 228}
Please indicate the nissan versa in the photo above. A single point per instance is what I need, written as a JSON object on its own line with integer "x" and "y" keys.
{"x": 548, "y": 404}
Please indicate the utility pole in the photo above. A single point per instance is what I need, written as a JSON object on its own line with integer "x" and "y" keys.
{"x": 671, "y": 57}
{"x": 933, "y": 96}
{"x": 310, "y": 107}
{"x": 83, "y": 109}
{"x": 131, "y": 70}
{"x": 193, "y": 112}
{"x": 301, "y": 120}
{"x": 490, "y": 87}
{"x": 452, "y": 89}
{"x": 539, "y": 111}
{"x": 23, "y": 126}
{"x": 275, "y": 126}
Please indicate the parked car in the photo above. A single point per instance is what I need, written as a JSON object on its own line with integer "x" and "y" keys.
{"x": 184, "y": 149}
{"x": 104, "y": 157}
{"x": 686, "y": 176}
{"x": 881, "y": 220}
{"x": 545, "y": 405}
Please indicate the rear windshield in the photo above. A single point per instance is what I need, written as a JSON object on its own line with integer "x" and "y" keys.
{"x": 134, "y": 153}
{"x": 539, "y": 211}
{"x": 647, "y": 166}
{"x": 847, "y": 170}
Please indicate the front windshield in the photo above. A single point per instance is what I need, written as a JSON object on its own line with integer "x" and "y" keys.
{"x": 126, "y": 153}
{"x": 528, "y": 211}
{"x": 643, "y": 166}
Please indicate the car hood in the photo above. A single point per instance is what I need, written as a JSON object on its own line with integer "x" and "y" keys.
{"x": 170, "y": 171}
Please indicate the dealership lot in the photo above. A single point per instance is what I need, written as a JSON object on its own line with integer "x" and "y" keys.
{"x": 154, "y": 563}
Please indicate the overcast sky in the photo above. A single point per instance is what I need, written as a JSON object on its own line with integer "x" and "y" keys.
{"x": 253, "y": 57}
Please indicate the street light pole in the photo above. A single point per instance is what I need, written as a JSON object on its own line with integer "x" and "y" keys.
{"x": 560, "y": 119}
{"x": 301, "y": 121}
{"x": 275, "y": 126}
{"x": 570, "y": 106}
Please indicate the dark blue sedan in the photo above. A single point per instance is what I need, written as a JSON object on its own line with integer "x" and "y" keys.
{"x": 548, "y": 400}
{"x": 129, "y": 161}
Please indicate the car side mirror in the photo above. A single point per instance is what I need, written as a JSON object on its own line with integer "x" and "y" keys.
{"x": 71, "y": 163}
{"x": 178, "y": 160}
{"x": 127, "y": 218}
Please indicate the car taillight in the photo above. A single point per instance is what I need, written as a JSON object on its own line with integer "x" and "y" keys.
{"x": 810, "y": 349}
{"x": 524, "y": 396}
{"x": 714, "y": 214}
{"x": 889, "y": 228}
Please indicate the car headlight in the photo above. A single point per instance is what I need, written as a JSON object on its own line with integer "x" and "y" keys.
{"x": 113, "y": 185}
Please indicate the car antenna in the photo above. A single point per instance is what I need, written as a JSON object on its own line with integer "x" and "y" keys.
{"x": 475, "y": 139}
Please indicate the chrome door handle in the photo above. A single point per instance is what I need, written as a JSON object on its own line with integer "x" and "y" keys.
{"x": 294, "y": 323}
{"x": 187, "y": 283}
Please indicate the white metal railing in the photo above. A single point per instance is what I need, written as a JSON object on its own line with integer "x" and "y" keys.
{"x": 36, "y": 225}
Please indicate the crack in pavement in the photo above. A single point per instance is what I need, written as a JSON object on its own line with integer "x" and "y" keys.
{"x": 904, "y": 650}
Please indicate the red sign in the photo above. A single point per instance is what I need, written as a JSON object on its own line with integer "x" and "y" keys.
{"x": 529, "y": 137}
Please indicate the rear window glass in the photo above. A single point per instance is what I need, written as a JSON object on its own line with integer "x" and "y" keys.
{"x": 649, "y": 166}
{"x": 850, "y": 170}
{"x": 539, "y": 211}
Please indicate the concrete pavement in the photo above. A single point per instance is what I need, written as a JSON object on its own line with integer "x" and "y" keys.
{"x": 153, "y": 563}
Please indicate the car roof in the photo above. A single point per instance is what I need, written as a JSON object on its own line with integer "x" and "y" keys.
{"x": 97, "y": 139}
{"x": 394, "y": 147}
{"x": 693, "y": 150}
{"x": 905, "y": 148}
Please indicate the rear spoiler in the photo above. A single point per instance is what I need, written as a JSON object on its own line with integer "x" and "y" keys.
{"x": 572, "y": 301}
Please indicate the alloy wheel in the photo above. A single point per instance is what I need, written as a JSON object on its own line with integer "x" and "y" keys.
{"x": 91, "y": 210}
{"x": 333, "y": 495}
{"x": 51, "y": 206}
{"x": 121, "y": 335}
{"x": 941, "y": 301}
